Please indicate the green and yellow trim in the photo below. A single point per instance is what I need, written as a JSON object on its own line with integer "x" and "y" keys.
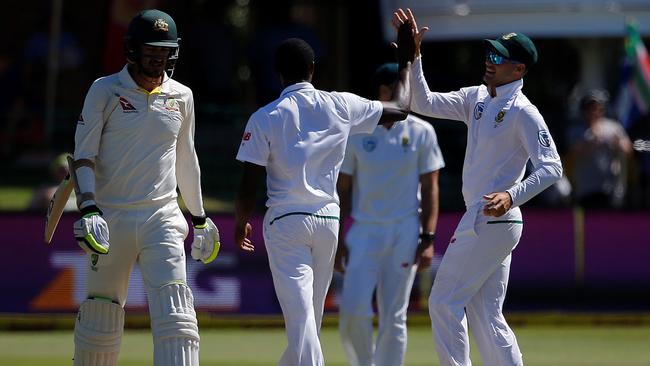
{"x": 305, "y": 214}
{"x": 506, "y": 222}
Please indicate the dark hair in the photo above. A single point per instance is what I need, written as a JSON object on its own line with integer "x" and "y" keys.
{"x": 592, "y": 96}
{"x": 293, "y": 59}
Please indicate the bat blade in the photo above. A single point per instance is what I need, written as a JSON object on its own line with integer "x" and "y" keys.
{"x": 56, "y": 206}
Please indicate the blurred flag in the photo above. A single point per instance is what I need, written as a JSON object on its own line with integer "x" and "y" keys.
{"x": 634, "y": 94}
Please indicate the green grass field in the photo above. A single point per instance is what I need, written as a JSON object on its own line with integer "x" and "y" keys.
{"x": 572, "y": 345}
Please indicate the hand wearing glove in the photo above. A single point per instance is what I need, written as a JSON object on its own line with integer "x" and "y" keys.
{"x": 91, "y": 231}
{"x": 205, "y": 246}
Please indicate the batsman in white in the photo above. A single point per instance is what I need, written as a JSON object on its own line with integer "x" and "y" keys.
{"x": 299, "y": 140}
{"x": 504, "y": 131}
{"x": 134, "y": 145}
{"x": 390, "y": 179}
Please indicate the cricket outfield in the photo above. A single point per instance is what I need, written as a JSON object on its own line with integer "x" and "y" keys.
{"x": 542, "y": 345}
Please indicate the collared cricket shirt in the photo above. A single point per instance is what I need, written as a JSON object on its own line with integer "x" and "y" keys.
{"x": 142, "y": 143}
{"x": 503, "y": 133}
{"x": 386, "y": 166}
{"x": 300, "y": 138}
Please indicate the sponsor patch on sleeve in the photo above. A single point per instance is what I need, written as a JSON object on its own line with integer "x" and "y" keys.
{"x": 544, "y": 138}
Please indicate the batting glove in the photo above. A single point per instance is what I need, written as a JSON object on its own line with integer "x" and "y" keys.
{"x": 91, "y": 231}
{"x": 205, "y": 246}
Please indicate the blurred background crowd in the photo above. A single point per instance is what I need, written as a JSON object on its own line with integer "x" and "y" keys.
{"x": 588, "y": 85}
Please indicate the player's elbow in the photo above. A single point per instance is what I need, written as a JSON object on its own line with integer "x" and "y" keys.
{"x": 553, "y": 170}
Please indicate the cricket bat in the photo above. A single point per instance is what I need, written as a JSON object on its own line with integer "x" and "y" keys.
{"x": 56, "y": 206}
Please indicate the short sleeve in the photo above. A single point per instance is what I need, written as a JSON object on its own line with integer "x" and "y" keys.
{"x": 363, "y": 114}
{"x": 255, "y": 145}
{"x": 430, "y": 157}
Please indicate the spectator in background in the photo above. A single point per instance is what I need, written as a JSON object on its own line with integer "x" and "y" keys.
{"x": 599, "y": 156}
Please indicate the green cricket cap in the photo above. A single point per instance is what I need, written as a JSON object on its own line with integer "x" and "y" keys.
{"x": 514, "y": 46}
{"x": 153, "y": 27}
{"x": 386, "y": 74}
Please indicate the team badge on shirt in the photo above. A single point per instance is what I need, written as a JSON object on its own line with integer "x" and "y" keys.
{"x": 499, "y": 118}
{"x": 171, "y": 104}
{"x": 405, "y": 142}
{"x": 369, "y": 143}
{"x": 544, "y": 138}
{"x": 478, "y": 110}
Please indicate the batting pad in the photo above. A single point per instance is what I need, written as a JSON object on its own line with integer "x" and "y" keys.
{"x": 174, "y": 326}
{"x": 98, "y": 333}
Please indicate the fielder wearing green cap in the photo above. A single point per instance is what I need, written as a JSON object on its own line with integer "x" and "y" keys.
{"x": 134, "y": 145}
{"x": 504, "y": 131}
{"x": 515, "y": 47}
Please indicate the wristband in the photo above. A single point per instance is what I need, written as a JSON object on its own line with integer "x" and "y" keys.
{"x": 199, "y": 221}
{"x": 428, "y": 236}
{"x": 90, "y": 210}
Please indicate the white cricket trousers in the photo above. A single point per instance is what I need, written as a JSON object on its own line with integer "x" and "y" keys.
{"x": 151, "y": 235}
{"x": 301, "y": 249}
{"x": 469, "y": 288}
{"x": 380, "y": 256}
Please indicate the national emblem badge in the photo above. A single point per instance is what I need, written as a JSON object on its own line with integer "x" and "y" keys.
{"x": 160, "y": 25}
{"x": 499, "y": 118}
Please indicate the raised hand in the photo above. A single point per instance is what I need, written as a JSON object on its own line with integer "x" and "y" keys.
{"x": 401, "y": 17}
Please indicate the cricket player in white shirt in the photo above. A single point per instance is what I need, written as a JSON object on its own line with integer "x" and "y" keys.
{"x": 299, "y": 140}
{"x": 390, "y": 179}
{"x": 134, "y": 144}
{"x": 504, "y": 131}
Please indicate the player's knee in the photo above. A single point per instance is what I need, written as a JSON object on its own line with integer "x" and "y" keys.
{"x": 98, "y": 332}
{"x": 351, "y": 321}
{"x": 438, "y": 303}
{"x": 171, "y": 308}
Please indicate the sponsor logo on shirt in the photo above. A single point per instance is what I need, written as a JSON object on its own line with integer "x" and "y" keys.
{"x": 369, "y": 143}
{"x": 478, "y": 110}
{"x": 247, "y": 136}
{"x": 127, "y": 107}
{"x": 544, "y": 138}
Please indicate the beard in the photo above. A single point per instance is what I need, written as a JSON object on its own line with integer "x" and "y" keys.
{"x": 152, "y": 72}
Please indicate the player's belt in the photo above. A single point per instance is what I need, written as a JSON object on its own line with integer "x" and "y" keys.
{"x": 506, "y": 222}
{"x": 304, "y": 214}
